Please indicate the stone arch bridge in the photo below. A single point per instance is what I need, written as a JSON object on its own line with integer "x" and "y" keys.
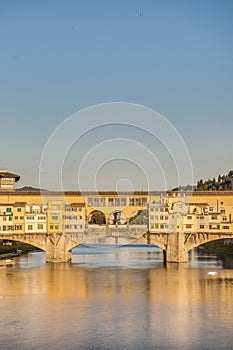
{"x": 175, "y": 245}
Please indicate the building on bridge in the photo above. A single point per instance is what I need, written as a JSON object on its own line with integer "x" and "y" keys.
{"x": 8, "y": 180}
{"x": 189, "y": 217}
{"x": 66, "y": 218}
{"x": 35, "y": 218}
{"x": 74, "y": 219}
{"x": 6, "y": 218}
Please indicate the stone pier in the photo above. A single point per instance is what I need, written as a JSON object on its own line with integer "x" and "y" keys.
{"x": 58, "y": 248}
{"x": 176, "y": 251}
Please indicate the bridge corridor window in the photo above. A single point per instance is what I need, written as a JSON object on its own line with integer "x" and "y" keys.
{"x": 116, "y": 202}
{"x": 137, "y": 202}
{"x": 96, "y": 202}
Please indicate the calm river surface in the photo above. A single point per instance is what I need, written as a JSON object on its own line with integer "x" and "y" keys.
{"x": 116, "y": 298}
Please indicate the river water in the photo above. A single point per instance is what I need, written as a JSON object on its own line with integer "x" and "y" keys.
{"x": 116, "y": 298}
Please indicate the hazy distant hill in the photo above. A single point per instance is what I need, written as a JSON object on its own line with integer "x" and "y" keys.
{"x": 30, "y": 189}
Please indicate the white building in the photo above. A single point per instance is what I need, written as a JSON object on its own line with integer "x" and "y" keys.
{"x": 36, "y": 218}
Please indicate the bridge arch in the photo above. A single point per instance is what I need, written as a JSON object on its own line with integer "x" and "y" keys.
{"x": 138, "y": 217}
{"x": 117, "y": 217}
{"x": 158, "y": 241}
{"x": 37, "y": 241}
{"x": 97, "y": 217}
{"x": 196, "y": 239}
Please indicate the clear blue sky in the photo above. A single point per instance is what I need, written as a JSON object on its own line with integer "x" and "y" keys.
{"x": 58, "y": 57}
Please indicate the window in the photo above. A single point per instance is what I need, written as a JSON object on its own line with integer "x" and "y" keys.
{"x": 202, "y": 226}
{"x": 225, "y": 227}
{"x": 18, "y": 227}
{"x": 137, "y": 201}
{"x": 222, "y": 211}
{"x": 51, "y": 227}
{"x": 224, "y": 218}
{"x": 40, "y": 226}
{"x": 214, "y": 227}
{"x": 54, "y": 217}
{"x": 188, "y": 226}
{"x": 10, "y": 218}
{"x": 18, "y": 210}
{"x": 4, "y": 218}
{"x": 189, "y": 217}
{"x": 211, "y": 209}
{"x": 21, "y": 217}
{"x": 56, "y": 227}
{"x": 98, "y": 202}
{"x": 161, "y": 226}
{"x": 8, "y": 210}
{"x": 16, "y": 217}
{"x": 30, "y": 227}
{"x": 214, "y": 217}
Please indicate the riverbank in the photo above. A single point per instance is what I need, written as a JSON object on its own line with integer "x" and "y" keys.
{"x": 15, "y": 249}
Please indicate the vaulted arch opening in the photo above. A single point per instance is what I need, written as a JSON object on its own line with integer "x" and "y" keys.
{"x": 97, "y": 217}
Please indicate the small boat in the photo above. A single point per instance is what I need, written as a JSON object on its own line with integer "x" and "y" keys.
{"x": 8, "y": 262}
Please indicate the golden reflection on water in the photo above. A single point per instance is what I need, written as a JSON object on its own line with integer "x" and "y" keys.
{"x": 173, "y": 305}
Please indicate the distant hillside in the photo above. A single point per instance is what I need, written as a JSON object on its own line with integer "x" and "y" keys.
{"x": 214, "y": 184}
{"x": 29, "y": 189}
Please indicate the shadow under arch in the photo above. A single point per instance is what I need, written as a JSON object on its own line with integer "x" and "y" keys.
{"x": 203, "y": 238}
{"x": 37, "y": 241}
{"x": 96, "y": 217}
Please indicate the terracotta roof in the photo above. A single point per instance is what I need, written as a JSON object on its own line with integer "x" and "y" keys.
{"x": 20, "y": 204}
{"x": 8, "y": 174}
